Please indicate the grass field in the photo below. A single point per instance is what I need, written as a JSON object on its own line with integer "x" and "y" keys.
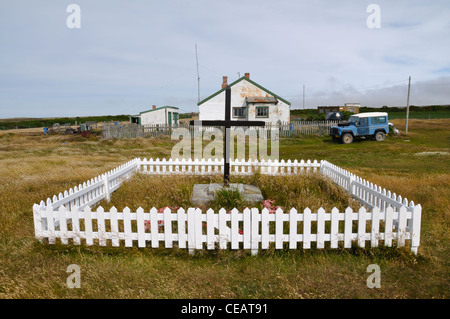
{"x": 34, "y": 167}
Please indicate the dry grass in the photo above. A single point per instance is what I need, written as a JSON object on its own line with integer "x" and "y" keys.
{"x": 307, "y": 190}
{"x": 34, "y": 167}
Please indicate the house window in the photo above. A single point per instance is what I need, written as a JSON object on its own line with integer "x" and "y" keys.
{"x": 239, "y": 112}
{"x": 262, "y": 111}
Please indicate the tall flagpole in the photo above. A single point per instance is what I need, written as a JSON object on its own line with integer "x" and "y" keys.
{"x": 198, "y": 74}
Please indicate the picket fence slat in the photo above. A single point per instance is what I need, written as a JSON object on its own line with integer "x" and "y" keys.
{"x": 265, "y": 228}
{"x": 361, "y": 227}
{"x": 181, "y": 225}
{"x": 88, "y": 226}
{"x": 254, "y": 231}
{"x": 375, "y": 237}
{"x": 234, "y": 229}
{"x": 210, "y": 222}
{"x": 63, "y": 225}
{"x": 168, "y": 228}
{"x": 307, "y": 229}
{"x": 198, "y": 237}
{"x": 191, "y": 230}
{"x": 154, "y": 229}
{"x": 127, "y": 227}
{"x": 247, "y": 228}
{"x": 293, "y": 229}
{"x": 348, "y": 228}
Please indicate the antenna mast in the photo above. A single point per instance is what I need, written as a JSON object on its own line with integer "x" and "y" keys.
{"x": 198, "y": 74}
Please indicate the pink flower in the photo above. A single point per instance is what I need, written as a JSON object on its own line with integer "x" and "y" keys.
{"x": 241, "y": 232}
{"x": 161, "y": 210}
{"x": 268, "y": 203}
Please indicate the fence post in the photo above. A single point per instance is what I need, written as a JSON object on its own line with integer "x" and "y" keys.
{"x": 351, "y": 180}
{"x": 138, "y": 164}
{"x": 415, "y": 228}
{"x": 37, "y": 222}
{"x": 107, "y": 194}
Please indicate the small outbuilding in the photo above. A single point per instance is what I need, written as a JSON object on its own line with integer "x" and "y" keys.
{"x": 164, "y": 115}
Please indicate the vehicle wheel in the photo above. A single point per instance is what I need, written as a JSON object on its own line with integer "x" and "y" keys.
{"x": 380, "y": 136}
{"x": 347, "y": 138}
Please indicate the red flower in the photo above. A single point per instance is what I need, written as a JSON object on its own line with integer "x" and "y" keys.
{"x": 268, "y": 203}
{"x": 161, "y": 210}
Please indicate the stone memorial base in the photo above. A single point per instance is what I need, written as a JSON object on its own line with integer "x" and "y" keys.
{"x": 202, "y": 194}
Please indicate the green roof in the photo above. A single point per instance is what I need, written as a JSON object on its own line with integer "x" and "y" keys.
{"x": 239, "y": 80}
{"x": 159, "y": 108}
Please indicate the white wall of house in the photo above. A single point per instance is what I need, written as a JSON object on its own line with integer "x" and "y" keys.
{"x": 159, "y": 116}
{"x": 214, "y": 108}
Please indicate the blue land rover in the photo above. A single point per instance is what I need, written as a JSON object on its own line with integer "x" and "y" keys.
{"x": 374, "y": 125}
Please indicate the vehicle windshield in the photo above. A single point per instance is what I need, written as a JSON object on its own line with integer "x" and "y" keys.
{"x": 353, "y": 119}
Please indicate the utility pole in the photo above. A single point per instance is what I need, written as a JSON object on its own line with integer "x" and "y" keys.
{"x": 198, "y": 74}
{"x": 407, "y": 106}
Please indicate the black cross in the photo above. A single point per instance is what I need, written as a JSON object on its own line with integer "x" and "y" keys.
{"x": 227, "y": 124}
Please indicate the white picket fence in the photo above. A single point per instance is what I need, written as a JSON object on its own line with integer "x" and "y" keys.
{"x": 210, "y": 166}
{"x": 68, "y": 217}
{"x": 368, "y": 193}
{"x": 91, "y": 192}
{"x": 250, "y": 229}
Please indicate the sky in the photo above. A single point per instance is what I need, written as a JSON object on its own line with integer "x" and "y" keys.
{"x": 129, "y": 55}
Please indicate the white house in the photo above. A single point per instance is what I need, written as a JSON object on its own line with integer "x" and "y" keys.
{"x": 165, "y": 115}
{"x": 249, "y": 101}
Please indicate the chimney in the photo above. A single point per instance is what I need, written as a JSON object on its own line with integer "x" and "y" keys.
{"x": 224, "y": 84}
{"x": 154, "y": 106}
{"x": 247, "y": 75}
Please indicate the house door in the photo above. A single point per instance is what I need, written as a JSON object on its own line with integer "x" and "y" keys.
{"x": 170, "y": 119}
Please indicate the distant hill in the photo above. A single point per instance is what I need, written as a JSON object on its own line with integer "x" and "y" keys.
{"x": 12, "y": 123}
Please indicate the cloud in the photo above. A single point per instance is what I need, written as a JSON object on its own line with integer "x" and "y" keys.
{"x": 129, "y": 55}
